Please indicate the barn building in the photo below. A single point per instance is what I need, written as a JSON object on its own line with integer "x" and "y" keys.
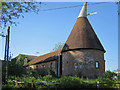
{"x": 82, "y": 54}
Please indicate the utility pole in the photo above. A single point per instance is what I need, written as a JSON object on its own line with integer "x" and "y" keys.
{"x": 7, "y": 53}
{"x": 59, "y": 64}
{"x": 119, "y": 35}
{"x": 5, "y": 48}
{"x": 6, "y": 59}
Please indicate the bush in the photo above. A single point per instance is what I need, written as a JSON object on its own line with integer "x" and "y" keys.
{"x": 65, "y": 82}
{"x": 42, "y": 71}
{"x": 15, "y": 68}
{"x": 52, "y": 73}
{"x": 109, "y": 74}
{"x": 70, "y": 82}
{"x": 12, "y": 82}
{"x": 48, "y": 78}
{"x": 107, "y": 83}
{"x": 79, "y": 74}
{"x": 32, "y": 73}
{"x": 118, "y": 77}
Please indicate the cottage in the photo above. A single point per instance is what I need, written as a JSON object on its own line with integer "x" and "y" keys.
{"x": 26, "y": 58}
{"x": 82, "y": 54}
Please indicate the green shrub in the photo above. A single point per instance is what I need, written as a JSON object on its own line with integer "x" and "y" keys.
{"x": 65, "y": 82}
{"x": 70, "y": 82}
{"x": 79, "y": 74}
{"x": 109, "y": 74}
{"x": 107, "y": 83}
{"x": 16, "y": 67}
{"x": 32, "y": 73}
{"x": 107, "y": 80}
{"x": 52, "y": 72}
{"x": 48, "y": 77}
{"x": 41, "y": 71}
{"x": 118, "y": 77}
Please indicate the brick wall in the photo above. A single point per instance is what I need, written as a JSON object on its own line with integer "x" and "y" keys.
{"x": 83, "y": 62}
{"x": 46, "y": 66}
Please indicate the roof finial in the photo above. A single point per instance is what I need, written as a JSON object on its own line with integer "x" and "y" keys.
{"x": 83, "y": 12}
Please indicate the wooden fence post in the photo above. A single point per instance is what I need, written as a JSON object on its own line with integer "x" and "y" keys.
{"x": 119, "y": 85}
{"x": 32, "y": 84}
{"x": 81, "y": 77}
{"x": 98, "y": 84}
{"x": 87, "y": 78}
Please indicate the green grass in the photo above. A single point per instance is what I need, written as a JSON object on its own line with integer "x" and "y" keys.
{"x": 65, "y": 82}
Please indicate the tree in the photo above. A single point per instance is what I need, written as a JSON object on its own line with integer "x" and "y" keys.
{"x": 58, "y": 46}
{"x": 109, "y": 74}
{"x": 13, "y": 10}
{"x": 108, "y": 78}
{"x": 15, "y": 68}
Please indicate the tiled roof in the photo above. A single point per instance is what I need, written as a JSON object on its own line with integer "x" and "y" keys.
{"x": 44, "y": 58}
{"x": 29, "y": 57}
{"x": 82, "y": 36}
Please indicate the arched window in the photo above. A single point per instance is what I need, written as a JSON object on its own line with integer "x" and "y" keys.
{"x": 51, "y": 65}
{"x": 75, "y": 66}
{"x": 30, "y": 68}
{"x": 97, "y": 64}
{"x": 43, "y": 66}
{"x": 36, "y": 66}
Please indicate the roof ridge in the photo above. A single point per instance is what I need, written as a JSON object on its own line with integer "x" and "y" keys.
{"x": 27, "y": 55}
{"x": 45, "y": 56}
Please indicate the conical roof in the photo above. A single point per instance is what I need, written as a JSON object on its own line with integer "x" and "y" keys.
{"x": 82, "y": 35}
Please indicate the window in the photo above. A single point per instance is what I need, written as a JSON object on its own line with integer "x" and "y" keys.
{"x": 36, "y": 66}
{"x": 97, "y": 64}
{"x": 30, "y": 68}
{"x": 75, "y": 66}
{"x": 51, "y": 65}
{"x": 43, "y": 66}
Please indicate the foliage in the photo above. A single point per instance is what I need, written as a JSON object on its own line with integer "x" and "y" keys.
{"x": 107, "y": 80}
{"x": 58, "y": 46}
{"x": 41, "y": 71}
{"x": 65, "y": 82}
{"x": 13, "y": 10}
{"x": 15, "y": 68}
{"x": 47, "y": 78}
{"x": 70, "y": 82}
{"x": 52, "y": 73}
{"x": 107, "y": 83}
{"x": 13, "y": 84}
{"x": 119, "y": 77}
{"x": 79, "y": 74}
{"x": 109, "y": 74}
{"x": 32, "y": 73}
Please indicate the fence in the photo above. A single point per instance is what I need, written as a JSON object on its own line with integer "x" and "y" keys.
{"x": 98, "y": 84}
{"x": 42, "y": 83}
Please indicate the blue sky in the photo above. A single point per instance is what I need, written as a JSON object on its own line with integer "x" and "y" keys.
{"x": 40, "y": 32}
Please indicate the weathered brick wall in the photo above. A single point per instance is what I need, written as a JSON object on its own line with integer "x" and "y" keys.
{"x": 46, "y": 66}
{"x": 83, "y": 62}
{"x": 31, "y": 67}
